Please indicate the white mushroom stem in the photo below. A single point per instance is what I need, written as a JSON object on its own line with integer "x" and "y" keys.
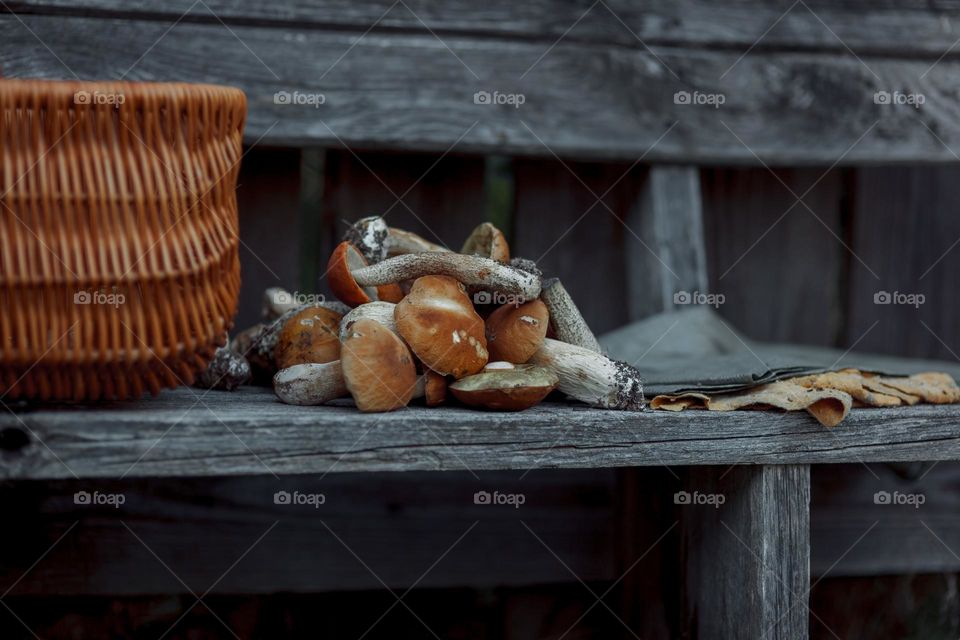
{"x": 473, "y": 271}
{"x": 591, "y": 377}
{"x": 565, "y": 318}
{"x": 380, "y": 311}
{"x": 312, "y": 384}
{"x": 376, "y": 240}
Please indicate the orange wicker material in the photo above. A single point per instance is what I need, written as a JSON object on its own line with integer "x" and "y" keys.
{"x": 119, "y": 266}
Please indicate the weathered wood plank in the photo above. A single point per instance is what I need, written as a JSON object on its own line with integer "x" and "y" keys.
{"x": 906, "y": 232}
{"x": 857, "y": 531}
{"x": 891, "y": 27}
{"x": 268, "y": 190}
{"x": 398, "y": 524}
{"x": 437, "y": 196}
{"x": 760, "y": 240}
{"x": 748, "y": 559}
{"x": 560, "y": 224}
{"x": 787, "y": 108}
{"x": 667, "y": 258}
{"x": 250, "y": 432}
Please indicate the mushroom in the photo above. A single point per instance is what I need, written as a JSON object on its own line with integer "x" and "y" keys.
{"x": 226, "y": 371}
{"x": 314, "y": 383}
{"x": 382, "y": 312}
{"x": 565, "y": 319}
{"x": 277, "y": 301}
{"x": 309, "y": 335}
{"x": 376, "y": 240}
{"x": 310, "y": 384}
{"x": 377, "y": 367}
{"x": 591, "y": 377}
{"x": 439, "y": 323}
{"x": 500, "y": 388}
{"x": 470, "y": 270}
{"x": 434, "y": 387}
{"x": 525, "y": 264}
{"x": 487, "y": 241}
{"x": 345, "y": 259}
{"x": 515, "y": 332}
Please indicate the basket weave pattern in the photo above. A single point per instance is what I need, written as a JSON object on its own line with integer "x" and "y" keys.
{"x": 119, "y": 266}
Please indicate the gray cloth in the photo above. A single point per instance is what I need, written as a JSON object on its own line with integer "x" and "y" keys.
{"x": 695, "y": 350}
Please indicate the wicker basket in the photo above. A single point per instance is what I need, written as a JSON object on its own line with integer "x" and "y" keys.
{"x": 119, "y": 267}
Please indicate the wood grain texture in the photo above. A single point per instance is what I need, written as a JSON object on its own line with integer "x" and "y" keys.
{"x": 898, "y": 27}
{"x": 559, "y": 224}
{"x": 408, "y": 91}
{"x": 250, "y": 432}
{"x": 748, "y": 561}
{"x": 268, "y": 196}
{"x": 780, "y": 267}
{"x": 906, "y": 230}
{"x": 668, "y": 216}
{"x": 853, "y": 535}
{"x": 398, "y": 524}
{"x": 442, "y": 195}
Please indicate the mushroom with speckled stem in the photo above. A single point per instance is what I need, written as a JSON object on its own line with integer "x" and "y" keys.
{"x": 592, "y": 377}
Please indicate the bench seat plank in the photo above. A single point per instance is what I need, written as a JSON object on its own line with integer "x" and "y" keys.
{"x": 249, "y": 432}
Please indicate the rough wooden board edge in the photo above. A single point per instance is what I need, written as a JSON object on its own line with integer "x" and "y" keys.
{"x": 907, "y": 28}
{"x": 249, "y": 432}
{"x": 385, "y": 102}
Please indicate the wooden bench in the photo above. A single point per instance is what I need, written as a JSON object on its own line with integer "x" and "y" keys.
{"x": 606, "y": 82}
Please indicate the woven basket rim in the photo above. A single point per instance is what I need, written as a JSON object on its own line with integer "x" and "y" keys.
{"x": 69, "y": 87}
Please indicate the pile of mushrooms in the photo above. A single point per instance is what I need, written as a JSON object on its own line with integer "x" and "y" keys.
{"x": 417, "y": 320}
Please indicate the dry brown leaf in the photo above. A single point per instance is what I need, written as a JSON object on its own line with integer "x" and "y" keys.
{"x": 849, "y": 381}
{"x": 828, "y": 406}
{"x": 933, "y": 387}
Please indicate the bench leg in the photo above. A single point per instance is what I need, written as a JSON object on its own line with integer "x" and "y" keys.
{"x": 746, "y": 559}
